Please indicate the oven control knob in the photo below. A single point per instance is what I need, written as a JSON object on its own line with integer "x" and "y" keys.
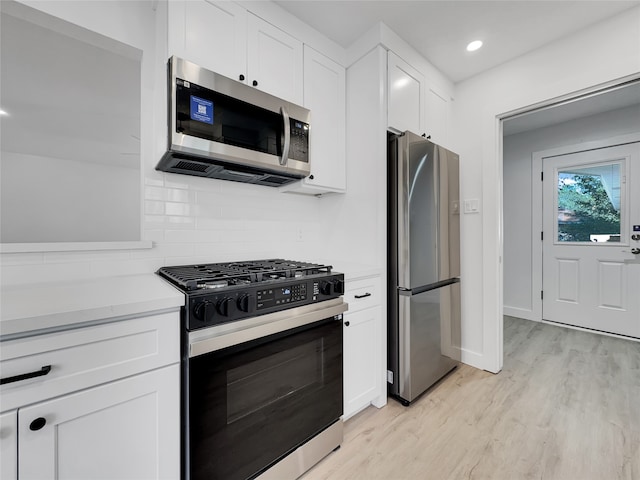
{"x": 338, "y": 286}
{"x": 325, "y": 288}
{"x": 245, "y": 304}
{"x": 226, "y": 306}
{"x": 204, "y": 311}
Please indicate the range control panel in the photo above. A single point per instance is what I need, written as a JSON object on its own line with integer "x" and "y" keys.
{"x": 289, "y": 294}
{"x": 209, "y": 308}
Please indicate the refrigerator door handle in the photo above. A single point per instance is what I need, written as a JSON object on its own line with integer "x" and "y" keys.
{"x": 425, "y": 288}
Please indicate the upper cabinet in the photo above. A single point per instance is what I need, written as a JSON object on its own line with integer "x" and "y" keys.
{"x": 324, "y": 95}
{"x": 406, "y": 96}
{"x": 210, "y": 34}
{"x": 274, "y": 60}
{"x": 415, "y": 103}
{"x": 223, "y": 37}
{"x": 438, "y": 116}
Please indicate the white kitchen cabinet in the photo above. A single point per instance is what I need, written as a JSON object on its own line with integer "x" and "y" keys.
{"x": 212, "y": 34}
{"x": 406, "y": 96}
{"x": 361, "y": 359}
{"x": 106, "y": 402}
{"x": 438, "y": 116}
{"x": 363, "y": 362}
{"x": 225, "y": 38}
{"x": 9, "y": 445}
{"x": 127, "y": 429}
{"x": 324, "y": 95}
{"x": 274, "y": 60}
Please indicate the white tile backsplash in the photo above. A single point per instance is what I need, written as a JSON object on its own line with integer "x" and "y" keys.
{"x": 190, "y": 220}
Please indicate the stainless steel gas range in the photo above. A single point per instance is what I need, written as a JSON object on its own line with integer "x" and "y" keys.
{"x": 261, "y": 367}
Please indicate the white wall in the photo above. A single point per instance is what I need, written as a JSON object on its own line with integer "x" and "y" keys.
{"x": 356, "y": 221}
{"x": 598, "y": 55}
{"x": 67, "y": 209}
{"x": 189, "y": 219}
{"x": 518, "y": 179}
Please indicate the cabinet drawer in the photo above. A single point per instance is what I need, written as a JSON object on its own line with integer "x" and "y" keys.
{"x": 87, "y": 356}
{"x": 362, "y": 293}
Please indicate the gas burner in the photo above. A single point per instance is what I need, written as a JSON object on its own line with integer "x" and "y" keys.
{"x": 222, "y": 275}
{"x": 218, "y": 293}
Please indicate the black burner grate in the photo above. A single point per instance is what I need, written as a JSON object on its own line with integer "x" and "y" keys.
{"x": 214, "y": 275}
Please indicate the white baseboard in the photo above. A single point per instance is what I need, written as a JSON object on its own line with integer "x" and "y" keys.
{"x": 519, "y": 313}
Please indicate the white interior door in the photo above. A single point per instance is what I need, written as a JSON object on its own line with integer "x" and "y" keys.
{"x": 591, "y": 219}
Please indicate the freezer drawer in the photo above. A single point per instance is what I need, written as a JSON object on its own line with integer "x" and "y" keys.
{"x": 425, "y": 323}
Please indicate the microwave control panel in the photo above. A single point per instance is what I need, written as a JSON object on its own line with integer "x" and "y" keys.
{"x": 299, "y": 146}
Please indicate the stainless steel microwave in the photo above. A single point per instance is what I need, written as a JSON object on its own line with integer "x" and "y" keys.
{"x": 221, "y": 128}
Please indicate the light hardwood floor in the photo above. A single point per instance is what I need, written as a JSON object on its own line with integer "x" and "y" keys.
{"x": 566, "y": 406}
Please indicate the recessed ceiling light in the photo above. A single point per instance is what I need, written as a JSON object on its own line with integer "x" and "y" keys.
{"x": 2, "y": 112}
{"x": 473, "y": 46}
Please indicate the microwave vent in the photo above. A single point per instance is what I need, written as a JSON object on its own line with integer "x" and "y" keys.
{"x": 276, "y": 180}
{"x": 185, "y": 164}
{"x": 192, "y": 166}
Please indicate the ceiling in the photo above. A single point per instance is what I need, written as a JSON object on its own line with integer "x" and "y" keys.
{"x": 440, "y": 30}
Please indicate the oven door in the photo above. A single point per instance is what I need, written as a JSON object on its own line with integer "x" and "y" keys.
{"x": 252, "y": 403}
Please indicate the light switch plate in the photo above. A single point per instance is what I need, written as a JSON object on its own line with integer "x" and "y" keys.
{"x": 472, "y": 205}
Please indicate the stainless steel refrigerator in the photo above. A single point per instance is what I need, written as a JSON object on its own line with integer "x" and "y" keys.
{"x": 423, "y": 264}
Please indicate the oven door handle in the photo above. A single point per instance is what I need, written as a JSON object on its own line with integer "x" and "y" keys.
{"x": 219, "y": 341}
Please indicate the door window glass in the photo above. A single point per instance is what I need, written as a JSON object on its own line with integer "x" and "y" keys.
{"x": 589, "y": 202}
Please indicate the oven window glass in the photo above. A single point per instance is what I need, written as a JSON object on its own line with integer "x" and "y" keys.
{"x": 252, "y": 404}
{"x": 261, "y": 383}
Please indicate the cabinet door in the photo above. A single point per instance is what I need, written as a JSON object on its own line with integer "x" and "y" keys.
{"x": 274, "y": 60}
{"x": 9, "y": 445}
{"x": 211, "y": 33}
{"x": 406, "y": 98}
{"x": 438, "y": 117}
{"x": 362, "y": 359}
{"x": 324, "y": 95}
{"x": 128, "y": 429}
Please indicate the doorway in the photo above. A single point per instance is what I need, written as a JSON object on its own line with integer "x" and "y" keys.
{"x": 550, "y": 133}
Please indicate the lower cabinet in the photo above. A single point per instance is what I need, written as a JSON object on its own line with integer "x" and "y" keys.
{"x": 122, "y": 430}
{"x": 9, "y": 445}
{"x": 362, "y": 362}
{"x": 100, "y": 401}
{"x": 364, "y": 353}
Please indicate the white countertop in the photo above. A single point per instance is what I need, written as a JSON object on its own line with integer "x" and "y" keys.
{"x": 353, "y": 271}
{"x": 30, "y": 308}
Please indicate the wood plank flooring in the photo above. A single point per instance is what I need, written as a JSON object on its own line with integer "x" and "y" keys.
{"x": 566, "y": 406}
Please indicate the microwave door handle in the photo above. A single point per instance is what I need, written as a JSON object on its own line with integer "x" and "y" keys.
{"x": 287, "y": 136}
